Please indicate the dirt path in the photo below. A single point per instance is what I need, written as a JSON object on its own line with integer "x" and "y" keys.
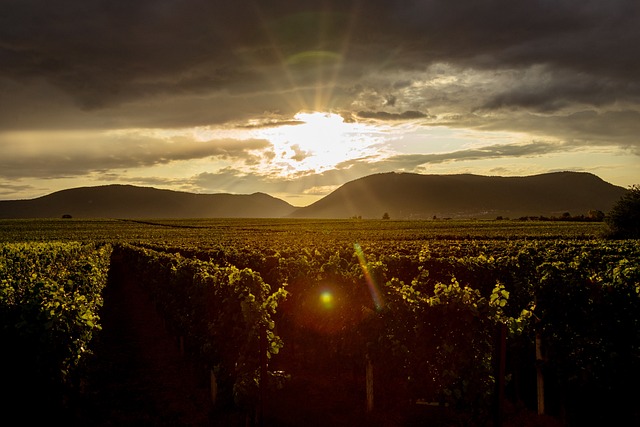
{"x": 138, "y": 376}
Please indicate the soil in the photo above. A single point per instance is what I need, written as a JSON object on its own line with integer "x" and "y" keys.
{"x": 137, "y": 375}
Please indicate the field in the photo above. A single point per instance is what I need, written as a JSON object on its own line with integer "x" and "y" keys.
{"x": 207, "y": 232}
{"x": 321, "y": 322}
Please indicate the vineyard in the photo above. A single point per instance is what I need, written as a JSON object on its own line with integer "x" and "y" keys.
{"x": 323, "y": 322}
{"x": 50, "y": 297}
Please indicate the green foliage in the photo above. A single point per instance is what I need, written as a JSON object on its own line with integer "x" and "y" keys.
{"x": 222, "y": 312}
{"x": 50, "y": 296}
{"x": 422, "y": 300}
{"x": 587, "y": 307}
{"x": 459, "y": 291}
{"x": 444, "y": 339}
{"x": 624, "y": 217}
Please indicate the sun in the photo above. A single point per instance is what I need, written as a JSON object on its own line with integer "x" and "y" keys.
{"x": 325, "y": 137}
{"x": 319, "y": 141}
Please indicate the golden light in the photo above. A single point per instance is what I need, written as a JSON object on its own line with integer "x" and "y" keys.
{"x": 320, "y": 141}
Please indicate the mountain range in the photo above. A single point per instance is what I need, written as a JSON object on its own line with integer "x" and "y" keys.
{"x": 398, "y": 195}
{"x": 128, "y": 201}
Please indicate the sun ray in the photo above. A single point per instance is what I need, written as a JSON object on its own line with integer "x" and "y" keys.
{"x": 374, "y": 290}
{"x": 298, "y": 102}
{"x": 321, "y": 141}
{"x": 322, "y": 63}
{"x": 325, "y": 90}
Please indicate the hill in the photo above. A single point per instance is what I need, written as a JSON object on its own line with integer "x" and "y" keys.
{"x": 407, "y": 195}
{"x": 127, "y": 201}
{"x": 401, "y": 195}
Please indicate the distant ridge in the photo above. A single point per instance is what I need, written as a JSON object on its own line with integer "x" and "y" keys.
{"x": 414, "y": 196}
{"x": 400, "y": 195}
{"x": 128, "y": 201}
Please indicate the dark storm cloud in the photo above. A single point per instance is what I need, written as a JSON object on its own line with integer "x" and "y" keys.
{"x": 270, "y": 123}
{"x": 545, "y": 90}
{"x": 383, "y": 115}
{"x": 108, "y": 52}
{"x": 576, "y": 34}
{"x": 103, "y": 54}
{"x": 620, "y": 128}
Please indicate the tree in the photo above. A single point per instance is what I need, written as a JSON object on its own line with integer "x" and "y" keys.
{"x": 386, "y": 216}
{"x": 595, "y": 215}
{"x": 624, "y": 218}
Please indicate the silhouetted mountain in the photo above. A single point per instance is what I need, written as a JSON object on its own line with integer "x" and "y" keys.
{"x": 127, "y": 201}
{"x": 401, "y": 195}
{"x": 407, "y": 195}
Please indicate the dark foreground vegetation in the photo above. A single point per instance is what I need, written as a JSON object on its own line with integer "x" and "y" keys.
{"x": 326, "y": 323}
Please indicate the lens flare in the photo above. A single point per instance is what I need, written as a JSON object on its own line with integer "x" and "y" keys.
{"x": 373, "y": 287}
{"x": 326, "y": 299}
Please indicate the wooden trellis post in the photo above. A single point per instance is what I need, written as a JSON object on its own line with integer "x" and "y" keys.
{"x": 369, "y": 383}
{"x": 264, "y": 374}
{"x": 539, "y": 373}
{"x": 214, "y": 387}
{"x": 500, "y": 366}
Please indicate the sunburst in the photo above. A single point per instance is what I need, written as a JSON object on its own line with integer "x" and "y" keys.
{"x": 320, "y": 141}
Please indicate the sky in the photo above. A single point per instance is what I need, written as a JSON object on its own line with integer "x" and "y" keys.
{"x": 294, "y": 98}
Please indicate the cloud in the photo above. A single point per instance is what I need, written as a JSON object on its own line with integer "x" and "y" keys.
{"x": 240, "y": 181}
{"x": 412, "y": 161}
{"x": 88, "y": 75}
{"x": 234, "y": 180}
{"x": 578, "y": 129}
{"x": 547, "y": 90}
{"x": 71, "y": 154}
{"x": 269, "y": 123}
{"x": 321, "y": 190}
{"x": 9, "y": 188}
{"x": 390, "y": 100}
{"x": 308, "y": 183}
{"x": 383, "y": 115}
{"x": 105, "y": 55}
{"x": 299, "y": 154}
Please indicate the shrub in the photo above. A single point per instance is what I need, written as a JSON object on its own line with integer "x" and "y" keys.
{"x": 624, "y": 218}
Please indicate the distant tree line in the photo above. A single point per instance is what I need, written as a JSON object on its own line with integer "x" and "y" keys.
{"x": 591, "y": 216}
{"x": 623, "y": 220}
{"x": 385, "y": 216}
